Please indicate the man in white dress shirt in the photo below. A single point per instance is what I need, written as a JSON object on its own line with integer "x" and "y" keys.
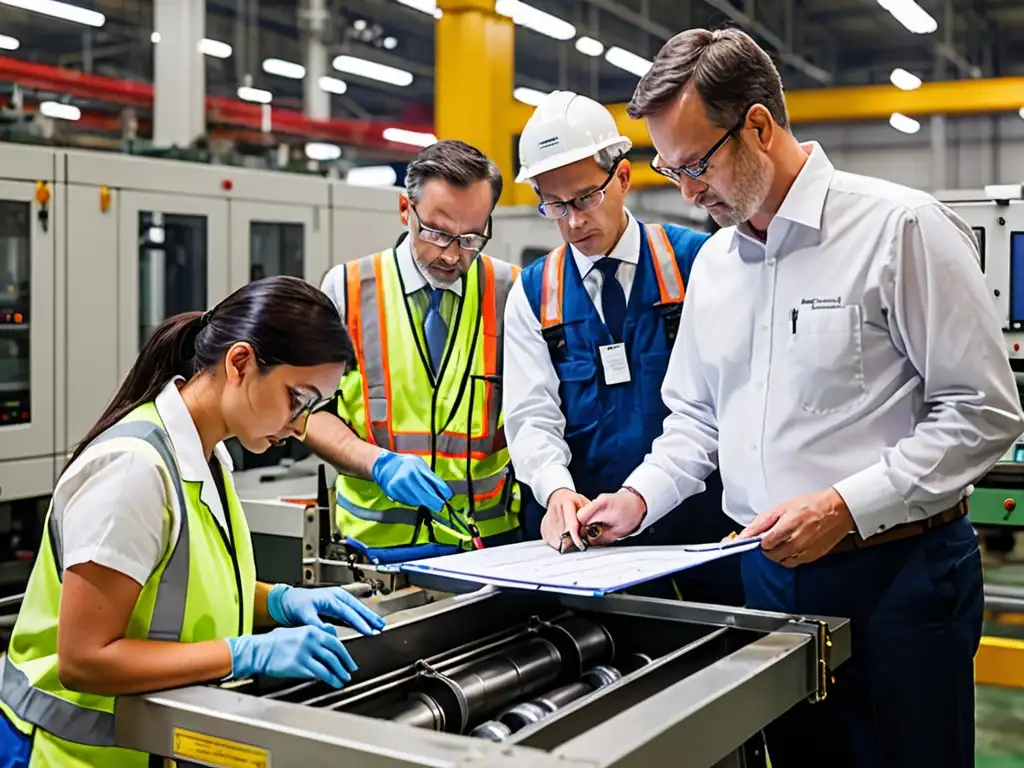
{"x": 590, "y": 328}
{"x": 841, "y": 361}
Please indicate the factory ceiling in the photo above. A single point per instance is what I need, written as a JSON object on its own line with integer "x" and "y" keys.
{"x": 816, "y": 43}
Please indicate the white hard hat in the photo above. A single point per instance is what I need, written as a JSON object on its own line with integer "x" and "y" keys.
{"x": 565, "y": 128}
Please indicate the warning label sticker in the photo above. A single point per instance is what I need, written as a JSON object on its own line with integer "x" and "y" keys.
{"x": 217, "y": 752}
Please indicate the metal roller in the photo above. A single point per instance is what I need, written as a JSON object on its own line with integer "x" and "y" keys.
{"x": 463, "y": 697}
{"x": 530, "y": 712}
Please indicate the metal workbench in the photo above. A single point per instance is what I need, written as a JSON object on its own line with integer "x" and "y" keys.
{"x": 712, "y": 677}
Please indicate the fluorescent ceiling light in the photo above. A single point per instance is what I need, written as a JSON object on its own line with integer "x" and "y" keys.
{"x": 910, "y": 15}
{"x": 60, "y": 111}
{"x": 214, "y": 48}
{"x": 9, "y": 43}
{"x": 332, "y": 85}
{"x": 351, "y": 65}
{"x": 905, "y": 81}
{"x": 903, "y": 123}
{"x": 529, "y": 96}
{"x": 426, "y": 6}
{"x": 59, "y": 10}
{"x": 413, "y": 138}
{"x": 628, "y": 61}
{"x": 588, "y": 46}
{"x": 533, "y": 18}
{"x": 316, "y": 150}
{"x": 248, "y": 93}
{"x": 372, "y": 176}
{"x": 283, "y": 68}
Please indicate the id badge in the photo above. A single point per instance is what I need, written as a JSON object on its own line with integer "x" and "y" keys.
{"x": 614, "y": 364}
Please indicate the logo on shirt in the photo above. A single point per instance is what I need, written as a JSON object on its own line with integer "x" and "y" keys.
{"x": 830, "y": 302}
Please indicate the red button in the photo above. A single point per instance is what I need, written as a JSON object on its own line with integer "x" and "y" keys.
{"x": 1009, "y": 505}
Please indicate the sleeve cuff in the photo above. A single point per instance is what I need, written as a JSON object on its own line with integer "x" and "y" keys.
{"x": 874, "y": 503}
{"x": 549, "y": 481}
{"x": 659, "y": 491}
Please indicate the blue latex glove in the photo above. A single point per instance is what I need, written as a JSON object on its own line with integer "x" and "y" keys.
{"x": 408, "y": 480}
{"x": 294, "y": 606}
{"x": 295, "y": 652}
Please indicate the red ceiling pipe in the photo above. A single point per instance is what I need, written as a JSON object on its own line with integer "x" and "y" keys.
{"x": 220, "y": 110}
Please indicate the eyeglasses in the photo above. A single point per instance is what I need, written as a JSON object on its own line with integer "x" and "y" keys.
{"x": 558, "y": 209}
{"x": 472, "y": 242}
{"x": 697, "y": 168}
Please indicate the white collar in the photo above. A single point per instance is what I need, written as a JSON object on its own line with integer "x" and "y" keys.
{"x": 412, "y": 278}
{"x": 804, "y": 204}
{"x": 627, "y": 249}
{"x": 188, "y": 448}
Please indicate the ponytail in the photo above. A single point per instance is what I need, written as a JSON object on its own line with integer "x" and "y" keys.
{"x": 284, "y": 319}
{"x": 169, "y": 352}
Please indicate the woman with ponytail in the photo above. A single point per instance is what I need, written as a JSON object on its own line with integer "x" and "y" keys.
{"x": 145, "y": 579}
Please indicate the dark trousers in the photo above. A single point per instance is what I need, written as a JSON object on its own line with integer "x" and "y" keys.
{"x": 905, "y": 698}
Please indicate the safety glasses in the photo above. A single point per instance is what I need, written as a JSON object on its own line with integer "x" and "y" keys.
{"x": 558, "y": 209}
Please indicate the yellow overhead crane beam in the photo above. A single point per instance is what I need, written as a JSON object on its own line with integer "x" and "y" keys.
{"x": 474, "y": 54}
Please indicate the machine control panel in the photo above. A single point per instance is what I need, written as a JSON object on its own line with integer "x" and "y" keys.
{"x": 998, "y": 226}
{"x": 15, "y": 313}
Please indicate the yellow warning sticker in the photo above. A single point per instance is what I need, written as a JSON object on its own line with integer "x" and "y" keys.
{"x": 214, "y": 751}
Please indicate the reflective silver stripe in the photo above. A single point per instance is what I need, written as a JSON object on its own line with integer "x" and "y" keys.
{"x": 52, "y": 713}
{"x": 453, "y": 445}
{"x": 378, "y": 409}
{"x": 373, "y": 352}
{"x": 665, "y": 261}
{"x": 394, "y": 515}
{"x": 90, "y": 727}
{"x": 550, "y": 299}
{"x": 481, "y": 485}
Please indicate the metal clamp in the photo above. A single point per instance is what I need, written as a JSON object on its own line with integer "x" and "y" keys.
{"x": 824, "y": 676}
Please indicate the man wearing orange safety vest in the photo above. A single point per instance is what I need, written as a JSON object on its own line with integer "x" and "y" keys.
{"x": 590, "y": 328}
{"x": 417, "y": 434}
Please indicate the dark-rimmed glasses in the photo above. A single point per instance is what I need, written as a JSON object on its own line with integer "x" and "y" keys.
{"x": 472, "y": 242}
{"x": 697, "y": 168}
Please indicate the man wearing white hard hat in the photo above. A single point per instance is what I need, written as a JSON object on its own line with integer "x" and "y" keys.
{"x": 588, "y": 333}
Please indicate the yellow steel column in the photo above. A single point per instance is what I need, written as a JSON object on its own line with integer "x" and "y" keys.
{"x": 474, "y": 72}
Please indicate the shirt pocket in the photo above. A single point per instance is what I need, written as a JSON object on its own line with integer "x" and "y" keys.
{"x": 578, "y": 391}
{"x": 827, "y": 352}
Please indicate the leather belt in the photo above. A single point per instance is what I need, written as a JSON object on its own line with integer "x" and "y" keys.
{"x": 904, "y": 531}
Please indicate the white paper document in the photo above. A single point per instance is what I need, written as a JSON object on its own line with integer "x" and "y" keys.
{"x": 597, "y": 571}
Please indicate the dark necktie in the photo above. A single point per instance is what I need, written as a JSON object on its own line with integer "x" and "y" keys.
{"x": 613, "y": 298}
{"x": 434, "y": 329}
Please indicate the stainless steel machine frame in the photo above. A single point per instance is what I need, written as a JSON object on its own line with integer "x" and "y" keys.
{"x": 695, "y": 705}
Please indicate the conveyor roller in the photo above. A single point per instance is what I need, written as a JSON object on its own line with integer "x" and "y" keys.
{"x": 457, "y": 699}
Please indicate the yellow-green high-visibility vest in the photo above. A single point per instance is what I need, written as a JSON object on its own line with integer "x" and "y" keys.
{"x": 200, "y": 590}
{"x": 392, "y": 399}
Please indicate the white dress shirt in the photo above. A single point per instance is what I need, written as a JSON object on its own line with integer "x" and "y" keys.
{"x": 858, "y": 348}
{"x": 534, "y": 423}
{"x": 109, "y": 504}
{"x": 413, "y": 280}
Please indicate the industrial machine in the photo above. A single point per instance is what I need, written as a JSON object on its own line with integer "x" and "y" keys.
{"x": 996, "y": 214}
{"x": 496, "y": 678}
{"x": 100, "y": 247}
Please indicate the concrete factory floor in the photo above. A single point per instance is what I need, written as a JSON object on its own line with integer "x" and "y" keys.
{"x": 1000, "y": 711}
